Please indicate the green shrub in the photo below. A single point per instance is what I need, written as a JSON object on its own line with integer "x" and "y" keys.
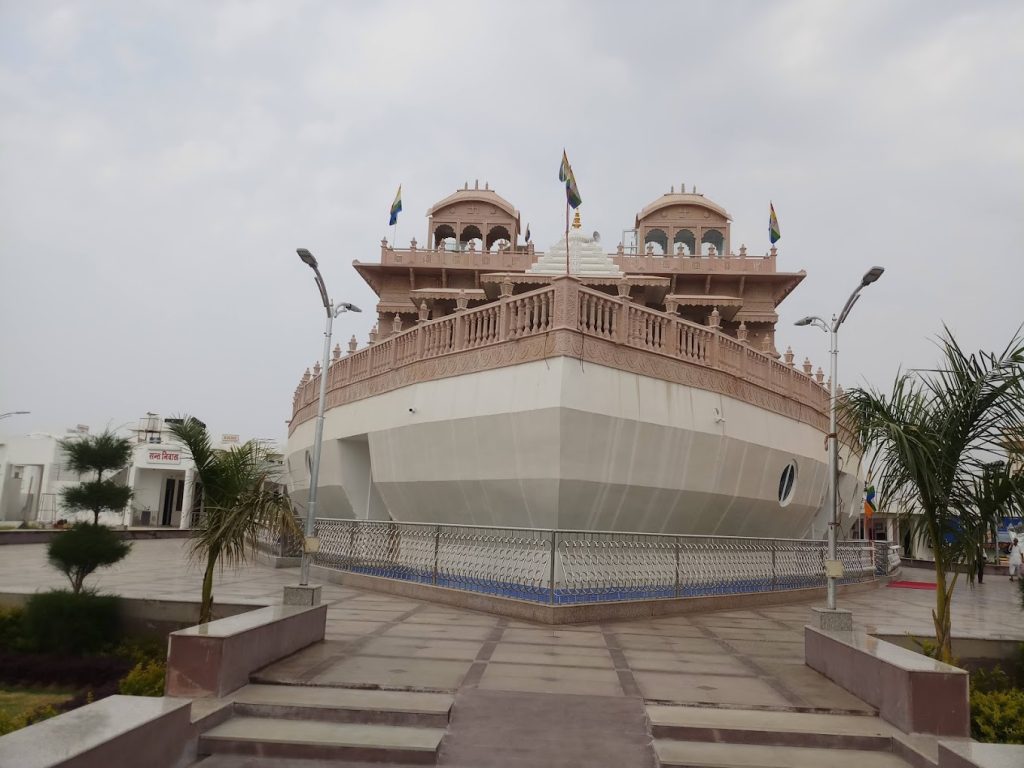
{"x": 82, "y": 549}
{"x": 987, "y": 681}
{"x": 142, "y": 649}
{"x": 68, "y": 623}
{"x": 12, "y": 629}
{"x": 10, "y": 723}
{"x": 998, "y": 716}
{"x": 145, "y": 679}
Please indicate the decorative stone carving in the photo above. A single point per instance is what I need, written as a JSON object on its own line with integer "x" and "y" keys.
{"x": 316, "y": 368}
{"x": 336, "y": 354}
{"x": 671, "y": 306}
{"x": 461, "y": 302}
{"x": 789, "y": 357}
{"x": 412, "y": 244}
{"x": 396, "y": 323}
{"x": 741, "y": 333}
{"x": 766, "y": 344}
{"x": 306, "y": 376}
{"x": 623, "y": 286}
{"x": 353, "y": 345}
{"x": 820, "y": 375}
{"x": 620, "y": 249}
{"x": 715, "y": 318}
{"x": 808, "y": 368}
{"x": 506, "y": 286}
{"x": 383, "y": 242}
{"x": 373, "y": 334}
{"x": 424, "y": 312}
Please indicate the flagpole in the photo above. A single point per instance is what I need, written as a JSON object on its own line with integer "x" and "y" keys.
{"x": 567, "y": 235}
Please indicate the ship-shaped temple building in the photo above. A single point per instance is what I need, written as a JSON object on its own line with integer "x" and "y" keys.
{"x": 634, "y": 390}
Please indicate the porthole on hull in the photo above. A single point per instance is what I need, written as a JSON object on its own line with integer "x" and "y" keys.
{"x": 787, "y": 484}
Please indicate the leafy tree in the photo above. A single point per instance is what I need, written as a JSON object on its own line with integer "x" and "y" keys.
{"x": 239, "y": 501}
{"x": 105, "y": 452}
{"x": 929, "y": 441}
{"x": 82, "y": 549}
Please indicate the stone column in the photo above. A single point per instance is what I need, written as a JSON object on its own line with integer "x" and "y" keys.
{"x": 186, "y": 502}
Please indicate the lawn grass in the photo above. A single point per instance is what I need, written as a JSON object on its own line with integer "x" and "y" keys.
{"x": 15, "y": 700}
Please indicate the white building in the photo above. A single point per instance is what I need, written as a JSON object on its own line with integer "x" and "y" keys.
{"x": 33, "y": 473}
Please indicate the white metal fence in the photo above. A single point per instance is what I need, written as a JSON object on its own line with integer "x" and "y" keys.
{"x": 562, "y": 567}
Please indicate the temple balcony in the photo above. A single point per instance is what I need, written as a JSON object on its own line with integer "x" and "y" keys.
{"x": 566, "y": 318}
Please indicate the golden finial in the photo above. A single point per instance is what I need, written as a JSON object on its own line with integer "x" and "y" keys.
{"x": 576, "y": 220}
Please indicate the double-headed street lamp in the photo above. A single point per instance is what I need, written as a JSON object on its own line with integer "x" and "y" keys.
{"x": 833, "y": 438}
{"x": 333, "y": 310}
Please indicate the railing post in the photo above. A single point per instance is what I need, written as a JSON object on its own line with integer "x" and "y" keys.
{"x": 713, "y": 348}
{"x": 551, "y": 577}
{"x": 620, "y": 320}
{"x": 677, "y": 567}
{"x": 437, "y": 546}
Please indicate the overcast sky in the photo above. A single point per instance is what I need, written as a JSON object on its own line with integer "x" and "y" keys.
{"x": 161, "y": 161}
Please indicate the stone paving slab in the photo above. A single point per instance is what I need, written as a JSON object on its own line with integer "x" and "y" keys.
{"x": 537, "y": 678}
{"x": 734, "y": 690}
{"x": 492, "y": 729}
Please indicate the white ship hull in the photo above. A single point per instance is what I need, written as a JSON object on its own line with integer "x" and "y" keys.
{"x": 560, "y": 443}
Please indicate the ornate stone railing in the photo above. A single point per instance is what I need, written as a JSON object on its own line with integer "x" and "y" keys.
{"x": 560, "y": 567}
{"x": 521, "y": 259}
{"x": 675, "y": 263}
{"x": 559, "y": 316}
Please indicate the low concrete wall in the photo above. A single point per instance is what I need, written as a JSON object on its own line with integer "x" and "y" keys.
{"x": 971, "y": 652}
{"x": 46, "y": 535}
{"x": 582, "y": 613}
{"x": 142, "y": 616}
{"x": 217, "y": 658}
{"x": 971, "y": 754}
{"x": 913, "y": 692}
{"x": 123, "y": 731}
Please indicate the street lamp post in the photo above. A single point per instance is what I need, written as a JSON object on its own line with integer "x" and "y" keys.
{"x": 332, "y": 310}
{"x": 14, "y": 413}
{"x": 833, "y": 438}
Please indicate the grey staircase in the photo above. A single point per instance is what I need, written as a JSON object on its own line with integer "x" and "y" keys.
{"x": 729, "y": 738}
{"x": 274, "y": 725}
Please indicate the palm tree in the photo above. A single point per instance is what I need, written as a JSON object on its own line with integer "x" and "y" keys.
{"x": 929, "y": 441}
{"x": 105, "y": 452}
{"x": 239, "y": 501}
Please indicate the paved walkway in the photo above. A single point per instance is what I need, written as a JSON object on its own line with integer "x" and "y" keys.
{"x": 748, "y": 659}
{"x": 740, "y": 658}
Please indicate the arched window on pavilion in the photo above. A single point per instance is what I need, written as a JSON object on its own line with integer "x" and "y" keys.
{"x": 684, "y": 243}
{"x": 498, "y": 236}
{"x": 471, "y": 234}
{"x": 659, "y": 239}
{"x": 715, "y": 238}
{"x": 445, "y": 235}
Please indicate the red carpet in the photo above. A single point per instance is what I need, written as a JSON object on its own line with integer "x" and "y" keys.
{"x": 911, "y": 584}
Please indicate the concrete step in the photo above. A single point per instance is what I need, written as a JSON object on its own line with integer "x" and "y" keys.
{"x": 277, "y": 737}
{"x": 344, "y": 705}
{"x": 700, "y": 754}
{"x": 789, "y": 729}
{"x": 252, "y": 761}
